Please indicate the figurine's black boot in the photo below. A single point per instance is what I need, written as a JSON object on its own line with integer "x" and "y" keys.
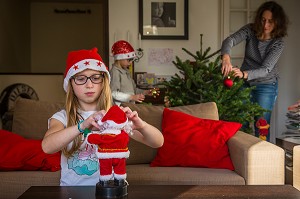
{"x": 120, "y": 182}
{"x": 104, "y": 183}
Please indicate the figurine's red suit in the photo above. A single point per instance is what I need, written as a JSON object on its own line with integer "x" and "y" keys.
{"x": 112, "y": 145}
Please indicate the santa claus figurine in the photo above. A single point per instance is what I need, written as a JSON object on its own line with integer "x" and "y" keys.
{"x": 112, "y": 142}
{"x": 263, "y": 127}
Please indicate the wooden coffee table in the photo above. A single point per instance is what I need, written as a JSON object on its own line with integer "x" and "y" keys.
{"x": 168, "y": 192}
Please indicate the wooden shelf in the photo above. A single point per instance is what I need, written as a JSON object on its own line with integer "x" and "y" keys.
{"x": 288, "y": 143}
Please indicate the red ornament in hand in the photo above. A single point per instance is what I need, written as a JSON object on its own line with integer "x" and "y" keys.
{"x": 228, "y": 82}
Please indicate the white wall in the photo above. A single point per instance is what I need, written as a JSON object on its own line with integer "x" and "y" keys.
{"x": 204, "y": 18}
{"x": 48, "y": 87}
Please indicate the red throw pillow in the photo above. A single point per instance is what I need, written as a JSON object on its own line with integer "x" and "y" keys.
{"x": 194, "y": 142}
{"x": 18, "y": 153}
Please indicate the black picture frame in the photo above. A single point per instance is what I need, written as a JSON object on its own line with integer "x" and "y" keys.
{"x": 169, "y": 28}
{"x": 139, "y": 78}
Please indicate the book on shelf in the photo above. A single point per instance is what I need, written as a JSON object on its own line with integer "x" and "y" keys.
{"x": 293, "y": 120}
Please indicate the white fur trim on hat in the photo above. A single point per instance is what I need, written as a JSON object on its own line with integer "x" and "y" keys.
{"x": 83, "y": 65}
{"x": 125, "y": 56}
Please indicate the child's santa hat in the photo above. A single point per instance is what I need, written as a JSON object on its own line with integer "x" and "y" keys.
{"x": 80, "y": 60}
{"x": 122, "y": 50}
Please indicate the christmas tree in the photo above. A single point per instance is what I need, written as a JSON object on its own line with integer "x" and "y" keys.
{"x": 201, "y": 81}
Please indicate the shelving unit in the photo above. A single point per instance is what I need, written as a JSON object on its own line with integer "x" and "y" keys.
{"x": 288, "y": 143}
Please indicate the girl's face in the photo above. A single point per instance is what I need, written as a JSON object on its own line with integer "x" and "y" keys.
{"x": 87, "y": 86}
{"x": 267, "y": 22}
{"x": 158, "y": 9}
{"x": 125, "y": 63}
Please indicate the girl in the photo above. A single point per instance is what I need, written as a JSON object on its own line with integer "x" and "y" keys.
{"x": 122, "y": 85}
{"x": 86, "y": 82}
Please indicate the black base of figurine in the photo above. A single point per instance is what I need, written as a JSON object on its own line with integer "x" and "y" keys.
{"x": 111, "y": 191}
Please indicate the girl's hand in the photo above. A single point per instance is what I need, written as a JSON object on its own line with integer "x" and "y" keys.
{"x": 138, "y": 97}
{"x": 137, "y": 122}
{"x": 92, "y": 121}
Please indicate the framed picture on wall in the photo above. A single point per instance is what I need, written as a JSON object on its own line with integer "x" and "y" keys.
{"x": 162, "y": 78}
{"x": 139, "y": 78}
{"x": 163, "y": 19}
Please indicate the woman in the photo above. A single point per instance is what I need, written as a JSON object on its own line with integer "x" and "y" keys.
{"x": 264, "y": 46}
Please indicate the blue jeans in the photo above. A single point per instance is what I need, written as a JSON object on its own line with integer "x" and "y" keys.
{"x": 265, "y": 95}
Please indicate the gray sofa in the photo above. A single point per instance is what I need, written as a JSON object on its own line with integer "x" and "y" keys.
{"x": 256, "y": 162}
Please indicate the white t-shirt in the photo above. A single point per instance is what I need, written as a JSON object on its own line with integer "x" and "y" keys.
{"x": 83, "y": 167}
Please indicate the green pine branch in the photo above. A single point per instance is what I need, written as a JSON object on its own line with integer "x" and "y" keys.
{"x": 201, "y": 81}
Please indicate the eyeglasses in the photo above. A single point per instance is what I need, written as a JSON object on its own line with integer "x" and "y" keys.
{"x": 131, "y": 59}
{"x": 82, "y": 79}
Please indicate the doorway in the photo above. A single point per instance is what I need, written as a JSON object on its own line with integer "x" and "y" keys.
{"x": 59, "y": 27}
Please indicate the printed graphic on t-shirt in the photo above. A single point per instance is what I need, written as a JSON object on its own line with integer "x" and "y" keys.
{"x": 85, "y": 162}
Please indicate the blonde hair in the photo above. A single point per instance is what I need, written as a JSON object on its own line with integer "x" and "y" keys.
{"x": 73, "y": 117}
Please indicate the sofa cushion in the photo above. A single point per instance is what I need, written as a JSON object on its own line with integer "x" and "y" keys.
{"x": 143, "y": 174}
{"x": 18, "y": 153}
{"x": 153, "y": 115}
{"x": 30, "y": 118}
{"x": 195, "y": 142}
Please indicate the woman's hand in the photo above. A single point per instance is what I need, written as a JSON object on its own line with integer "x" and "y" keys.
{"x": 226, "y": 65}
{"x": 237, "y": 73}
{"x": 240, "y": 74}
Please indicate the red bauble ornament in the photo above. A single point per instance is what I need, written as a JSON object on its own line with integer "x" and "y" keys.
{"x": 228, "y": 82}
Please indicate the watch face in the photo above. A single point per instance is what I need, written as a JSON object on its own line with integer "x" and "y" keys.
{"x": 20, "y": 90}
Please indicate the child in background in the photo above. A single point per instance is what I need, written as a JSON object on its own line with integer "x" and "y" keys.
{"x": 122, "y": 85}
{"x": 88, "y": 95}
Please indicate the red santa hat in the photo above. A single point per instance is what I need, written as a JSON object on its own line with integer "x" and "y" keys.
{"x": 81, "y": 60}
{"x": 115, "y": 118}
{"x": 122, "y": 50}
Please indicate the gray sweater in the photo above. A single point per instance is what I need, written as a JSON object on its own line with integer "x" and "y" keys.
{"x": 261, "y": 57}
{"x": 122, "y": 85}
